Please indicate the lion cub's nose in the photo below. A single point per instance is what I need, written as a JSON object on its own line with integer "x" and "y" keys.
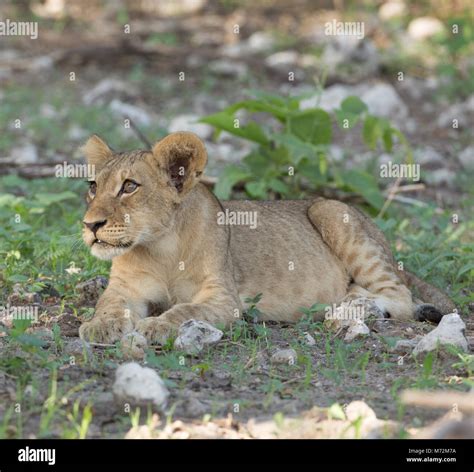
{"x": 95, "y": 225}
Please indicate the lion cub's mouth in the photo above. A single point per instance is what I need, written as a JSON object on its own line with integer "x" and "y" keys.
{"x": 102, "y": 243}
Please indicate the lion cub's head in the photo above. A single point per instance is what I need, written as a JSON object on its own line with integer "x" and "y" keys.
{"x": 135, "y": 194}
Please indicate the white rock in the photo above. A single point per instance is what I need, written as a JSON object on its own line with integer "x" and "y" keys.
{"x": 189, "y": 123}
{"x": 133, "y": 345}
{"x": 282, "y": 60}
{"x": 176, "y": 8}
{"x": 392, "y": 9}
{"x": 26, "y": 154}
{"x": 76, "y": 133}
{"x": 77, "y": 347}
{"x": 360, "y": 409}
{"x": 193, "y": 335}
{"x": 424, "y": 27}
{"x": 330, "y": 98}
{"x": 441, "y": 176}
{"x": 356, "y": 329}
{"x": 310, "y": 341}
{"x": 139, "y": 386}
{"x": 284, "y": 356}
{"x": 125, "y": 110}
{"x": 404, "y": 346}
{"x": 383, "y": 100}
{"x": 260, "y": 42}
{"x": 228, "y": 68}
{"x": 461, "y": 112}
{"x": 428, "y": 156}
{"x": 449, "y": 331}
{"x": 107, "y": 88}
{"x": 236, "y": 50}
{"x": 466, "y": 157}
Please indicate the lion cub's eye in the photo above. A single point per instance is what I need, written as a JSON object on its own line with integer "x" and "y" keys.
{"x": 129, "y": 186}
{"x": 92, "y": 189}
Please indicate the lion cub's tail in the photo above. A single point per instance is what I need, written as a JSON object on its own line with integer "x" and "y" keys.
{"x": 428, "y": 294}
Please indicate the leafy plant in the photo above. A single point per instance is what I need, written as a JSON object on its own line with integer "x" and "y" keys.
{"x": 291, "y": 157}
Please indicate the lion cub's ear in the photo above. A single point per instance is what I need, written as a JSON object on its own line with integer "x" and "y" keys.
{"x": 183, "y": 156}
{"x": 96, "y": 150}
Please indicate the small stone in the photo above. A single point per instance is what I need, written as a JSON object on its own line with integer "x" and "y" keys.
{"x": 133, "y": 346}
{"x": 282, "y": 60}
{"x": 392, "y": 9}
{"x": 228, "y": 68}
{"x": 26, "y": 154}
{"x": 140, "y": 386}
{"x": 429, "y": 157}
{"x": 357, "y": 329}
{"x": 91, "y": 289}
{"x": 466, "y": 157}
{"x": 190, "y": 123}
{"x": 260, "y": 42}
{"x": 108, "y": 88}
{"x": 440, "y": 176}
{"x": 449, "y": 331}
{"x": 77, "y": 347}
{"x": 459, "y": 114}
{"x": 383, "y": 100}
{"x": 360, "y": 409}
{"x": 424, "y": 27}
{"x": 194, "y": 408}
{"x": 193, "y": 335}
{"x": 310, "y": 341}
{"x": 405, "y": 346}
{"x": 68, "y": 325}
{"x": 126, "y": 111}
{"x": 284, "y": 356}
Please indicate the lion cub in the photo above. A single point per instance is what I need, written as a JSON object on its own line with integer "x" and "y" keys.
{"x": 176, "y": 247}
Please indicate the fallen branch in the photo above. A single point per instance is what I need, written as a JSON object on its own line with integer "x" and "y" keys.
{"x": 440, "y": 399}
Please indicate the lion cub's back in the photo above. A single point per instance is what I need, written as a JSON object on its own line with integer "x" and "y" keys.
{"x": 277, "y": 251}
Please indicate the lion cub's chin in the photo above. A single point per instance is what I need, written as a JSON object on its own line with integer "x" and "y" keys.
{"x": 107, "y": 253}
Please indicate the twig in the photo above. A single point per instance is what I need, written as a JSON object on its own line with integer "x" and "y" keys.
{"x": 409, "y": 201}
{"x": 137, "y": 131}
{"x": 439, "y": 399}
{"x": 391, "y": 194}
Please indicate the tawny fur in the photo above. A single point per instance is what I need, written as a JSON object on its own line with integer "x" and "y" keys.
{"x": 169, "y": 251}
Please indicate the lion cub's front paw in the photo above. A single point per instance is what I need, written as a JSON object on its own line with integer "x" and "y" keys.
{"x": 156, "y": 330}
{"x": 105, "y": 329}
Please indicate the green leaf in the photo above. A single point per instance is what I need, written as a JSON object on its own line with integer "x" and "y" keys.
{"x": 256, "y": 189}
{"x": 18, "y": 278}
{"x": 225, "y": 121}
{"x": 351, "y": 118}
{"x": 228, "y": 179}
{"x": 353, "y": 105}
{"x": 312, "y": 126}
{"x": 279, "y": 186}
{"x": 371, "y": 131}
{"x": 297, "y": 149}
{"x": 336, "y": 411}
{"x": 387, "y": 139}
{"x": 47, "y": 199}
{"x": 364, "y": 184}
